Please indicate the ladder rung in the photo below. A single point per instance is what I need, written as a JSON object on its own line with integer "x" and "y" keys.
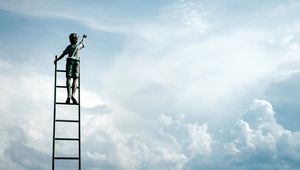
{"x": 76, "y": 121}
{"x": 61, "y": 86}
{"x": 64, "y": 87}
{"x": 66, "y": 157}
{"x": 60, "y": 70}
{"x": 66, "y": 103}
{"x": 66, "y": 138}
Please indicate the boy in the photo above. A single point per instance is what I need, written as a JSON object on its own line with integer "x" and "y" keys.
{"x": 72, "y": 65}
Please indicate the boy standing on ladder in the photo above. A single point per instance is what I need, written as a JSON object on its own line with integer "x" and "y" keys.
{"x": 72, "y": 65}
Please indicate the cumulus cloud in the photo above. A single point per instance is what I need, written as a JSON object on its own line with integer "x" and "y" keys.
{"x": 257, "y": 142}
{"x": 176, "y": 141}
{"x": 262, "y": 142}
{"x": 190, "y": 138}
{"x": 107, "y": 147}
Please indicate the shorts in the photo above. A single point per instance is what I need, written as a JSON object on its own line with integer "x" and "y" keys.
{"x": 72, "y": 68}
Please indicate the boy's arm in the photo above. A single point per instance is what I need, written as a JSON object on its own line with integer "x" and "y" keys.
{"x": 81, "y": 43}
{"x": 60, "y": 57}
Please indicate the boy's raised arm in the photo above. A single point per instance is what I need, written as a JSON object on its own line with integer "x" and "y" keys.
{"x": 81, "y": 43}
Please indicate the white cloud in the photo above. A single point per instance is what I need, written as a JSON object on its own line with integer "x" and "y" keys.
{"x": 89, "y": 99}
{"x": 258, "y": 133}
{"x": 259, "y": 113}
{"x": 119, "y": 150}
{"x": 200, "y": 140}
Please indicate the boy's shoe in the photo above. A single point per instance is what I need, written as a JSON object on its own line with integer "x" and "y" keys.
{"x": 74, "y": 100}
{"x": 68, "y": 100}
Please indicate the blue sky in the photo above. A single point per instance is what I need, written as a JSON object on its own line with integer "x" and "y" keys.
{"x": 181, "y": 84}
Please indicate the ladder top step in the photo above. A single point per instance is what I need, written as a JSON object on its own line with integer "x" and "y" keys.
{"x": 67, "y": 139}
{"x": 61, "y": 120}
{"x": 66, "y": 157}
{"x": 63, "y": 103}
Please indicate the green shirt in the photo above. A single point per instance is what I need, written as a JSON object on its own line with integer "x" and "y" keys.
{"x": 73, "y": 51}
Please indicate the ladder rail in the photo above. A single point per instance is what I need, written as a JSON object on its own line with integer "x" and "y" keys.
{"x": 54, "y": 117}
{"x": 79, "y": 119}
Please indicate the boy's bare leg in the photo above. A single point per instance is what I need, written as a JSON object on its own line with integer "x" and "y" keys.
{"x": 69, "y": 83}
{"x": 74, "y": 88}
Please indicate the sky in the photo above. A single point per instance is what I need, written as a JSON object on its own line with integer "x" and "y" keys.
{"x": 165, "y": 84}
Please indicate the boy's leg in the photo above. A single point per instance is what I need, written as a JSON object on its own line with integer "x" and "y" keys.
{"x": 74, "y": 88}
{"x": 69, "y": 85}
{"x": 75, "y": 75}
{"x": 69, "y": 79}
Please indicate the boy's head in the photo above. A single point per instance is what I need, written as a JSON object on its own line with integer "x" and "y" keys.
{"x": 73, "y": 37}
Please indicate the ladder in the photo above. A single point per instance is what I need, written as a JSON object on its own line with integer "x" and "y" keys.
{"x": 67, "y": 121}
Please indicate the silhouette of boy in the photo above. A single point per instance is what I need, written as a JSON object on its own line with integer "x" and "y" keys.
{"x": 72, "y": 65}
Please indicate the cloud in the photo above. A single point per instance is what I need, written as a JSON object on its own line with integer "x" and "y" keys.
{"x": 259, "y": 113}
{"x": 23, "y": 88}
{"x": 258, "y": 142}
{"x": 21, "y": 152}
{"x": 262, "y": 141}
{"x": 176, "y": 142}
{"x": 107, "y": 147}
{"x": 201, "y": 141}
